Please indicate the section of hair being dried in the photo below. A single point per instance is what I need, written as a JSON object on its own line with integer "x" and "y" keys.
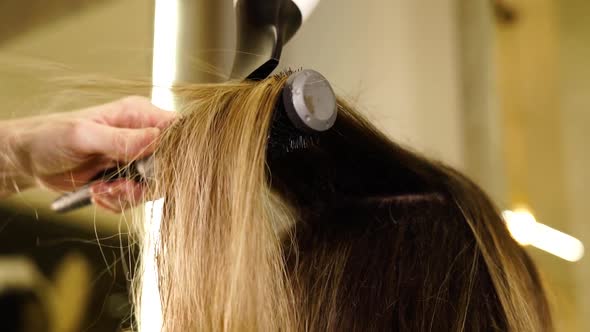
{"x": 347, "y": 232}
{"x": 219, "y": 260}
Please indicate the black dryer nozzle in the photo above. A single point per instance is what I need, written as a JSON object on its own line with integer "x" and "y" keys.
{"x": 263, "y": 28}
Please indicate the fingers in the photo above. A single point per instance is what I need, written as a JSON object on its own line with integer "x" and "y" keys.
{"x": 77, "y": 177}
{"x": 120, "y": 144}
{"x": 118, "y": 195}
{"x": 123, "y": 130}
{"x": 133, "y": 112}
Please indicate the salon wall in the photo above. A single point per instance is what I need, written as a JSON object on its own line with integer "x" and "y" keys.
{"x": 527, "y": 49}
{"x": 402, "y": 72}
{"x": 574, "y": 104}
{"x": 543, "y": 82}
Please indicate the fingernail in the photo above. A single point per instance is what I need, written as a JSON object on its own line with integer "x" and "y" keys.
{"x": 155, "y": 132}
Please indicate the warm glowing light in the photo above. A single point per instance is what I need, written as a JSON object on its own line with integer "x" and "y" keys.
{"x": 525, "y": 229}
{"x": 165, "y": 53}
{"x": 163, "y": 76}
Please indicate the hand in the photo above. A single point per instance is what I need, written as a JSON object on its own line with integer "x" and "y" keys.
{"x": 63, "y": 151}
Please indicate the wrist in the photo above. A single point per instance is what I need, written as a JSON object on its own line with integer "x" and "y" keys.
{"x": 15, "y": 172}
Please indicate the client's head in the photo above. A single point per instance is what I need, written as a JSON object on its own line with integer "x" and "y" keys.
{"x": 349, "y": 232}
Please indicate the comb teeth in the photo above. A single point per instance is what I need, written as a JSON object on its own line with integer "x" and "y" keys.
{"x": 293, "y": 144}
{"x": 301, "y": 142}
{"x": 284, "y": 137}
{"x": 280, "y": 147}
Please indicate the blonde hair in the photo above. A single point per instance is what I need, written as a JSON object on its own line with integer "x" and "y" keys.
{"x": 351, "y": 232}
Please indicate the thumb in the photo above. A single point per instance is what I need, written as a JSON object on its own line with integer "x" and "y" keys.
{"x": 122, "y": 144}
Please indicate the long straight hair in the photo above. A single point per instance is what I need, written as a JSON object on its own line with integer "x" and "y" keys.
{"x": 350, "y": 232}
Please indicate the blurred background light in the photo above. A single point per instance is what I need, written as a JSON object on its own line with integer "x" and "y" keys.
{"x": 164, "y": 68}
{"x": 165, "y": 52}
{"x": 526, "y": 230}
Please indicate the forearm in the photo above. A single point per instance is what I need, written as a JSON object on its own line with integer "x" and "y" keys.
{"x": 14, "y": 174}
